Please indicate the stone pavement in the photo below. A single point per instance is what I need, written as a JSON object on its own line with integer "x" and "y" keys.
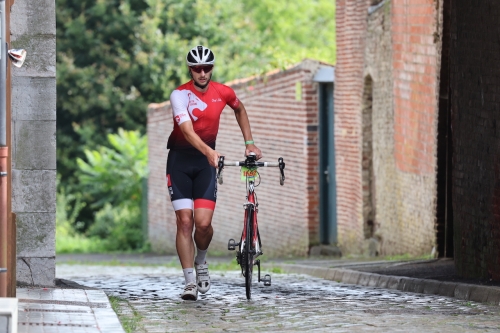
{"x": 294, "y": 302}
{"x": 434, "y": 277}
{"x": 334, "y": 296}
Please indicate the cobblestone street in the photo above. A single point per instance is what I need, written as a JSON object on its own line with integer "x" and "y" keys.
{"x": 293, "y": 303}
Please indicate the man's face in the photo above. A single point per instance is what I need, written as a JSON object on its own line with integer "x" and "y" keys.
{"x": 201, "y": 74}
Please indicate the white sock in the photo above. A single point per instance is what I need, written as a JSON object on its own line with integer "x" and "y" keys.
{"x": 189, "y": 275}
{"x": 200, "y": 257}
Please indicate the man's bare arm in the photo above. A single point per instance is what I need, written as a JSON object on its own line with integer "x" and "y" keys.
{"x": 242, "y": 118}
{"x": 195, "y": 140}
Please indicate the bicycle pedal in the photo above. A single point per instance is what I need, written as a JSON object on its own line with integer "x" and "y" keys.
{"x": 231, "y": 244}
{"x": 267, "y": 280}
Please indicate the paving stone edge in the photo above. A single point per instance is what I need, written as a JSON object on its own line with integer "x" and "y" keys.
{"x": 462, "y": 291}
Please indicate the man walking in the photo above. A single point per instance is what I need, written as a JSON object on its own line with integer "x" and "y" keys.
{"x": 192, "y": 161}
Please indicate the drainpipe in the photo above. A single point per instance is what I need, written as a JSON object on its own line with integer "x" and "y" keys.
{"x": 4, "y": 151}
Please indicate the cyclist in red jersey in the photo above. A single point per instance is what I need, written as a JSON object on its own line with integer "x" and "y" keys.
{"x": 192, "y": 162}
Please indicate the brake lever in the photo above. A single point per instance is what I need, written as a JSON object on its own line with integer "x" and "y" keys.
{"x": 282, "y": 168}
{"x": 219, "y": 172}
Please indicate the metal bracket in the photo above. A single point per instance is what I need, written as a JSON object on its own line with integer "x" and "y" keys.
{"x": 248, "y": 203}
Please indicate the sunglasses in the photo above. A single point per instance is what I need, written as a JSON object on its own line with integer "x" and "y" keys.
{"x": 198, "y": 69}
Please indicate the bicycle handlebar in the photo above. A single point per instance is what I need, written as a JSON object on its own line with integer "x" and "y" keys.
{"x": 257, "y": 164}
{"x": 251, "y": 162}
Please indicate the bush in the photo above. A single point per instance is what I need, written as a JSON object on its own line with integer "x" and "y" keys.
{"x": 113, "y": 178}
{"x": 120, "y": 227}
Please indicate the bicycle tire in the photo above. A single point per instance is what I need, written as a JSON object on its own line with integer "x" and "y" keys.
{"x": 249, "y": 254}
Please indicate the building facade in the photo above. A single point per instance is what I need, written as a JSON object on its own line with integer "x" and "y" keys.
{"x": 386, "y": 102}
{"x": 422, "y": 172}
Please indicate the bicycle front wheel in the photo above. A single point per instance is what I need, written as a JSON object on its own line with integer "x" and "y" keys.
{"x": 249, "y": 253}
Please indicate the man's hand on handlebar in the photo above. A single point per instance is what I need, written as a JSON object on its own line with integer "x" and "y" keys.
{"x": 213, "y": 158}
{"x": 251, "y": 148}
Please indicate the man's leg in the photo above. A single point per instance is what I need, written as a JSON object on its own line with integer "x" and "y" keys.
{"x": 185, "y": 251}
{"x": 184, "y": 237}
{"x": 202, "y": 237}
{"x": 203, "y": 232}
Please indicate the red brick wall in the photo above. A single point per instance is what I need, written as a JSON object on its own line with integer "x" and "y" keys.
{"x": 288, "y": 215}
{"x": 475, "y": 96}
{"x": 351, "y": 30}
{"x": 414, "y": 35}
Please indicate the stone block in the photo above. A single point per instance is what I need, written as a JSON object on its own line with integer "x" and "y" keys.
{"x": 36, "y": 234}
{"x": 364, "y": 278}
{"x": 330, "y": 274}
{"x": 383, "y": 280}
{"x": 374, "y": 280}
{"x": 33, "y": 191}
{"x": 339, "y": 275}
{"x": 493, "y": 297}
{"x": 351, "y": 277}
{"x": 36, "y": 271}
{"x": 479, "y": 294}
{"x": 34, "y": 145}
{"x": 431, "y": 287}
{"x": 41, "y": 57}
{"x": 393, "y": 282}
{"x": 33, "y": 17}
{"x": 447, "y": 289}
{"x": 462, "y": 291}
{"x": 33, "y": 98}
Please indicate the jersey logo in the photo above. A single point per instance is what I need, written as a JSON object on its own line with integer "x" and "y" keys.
{"x": 178, "y": 117}
{"x": 215, "y": 100}
{"x": 195, "y": 103}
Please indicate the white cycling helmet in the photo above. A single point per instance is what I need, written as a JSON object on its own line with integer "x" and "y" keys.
{"x": 200, "y": 55}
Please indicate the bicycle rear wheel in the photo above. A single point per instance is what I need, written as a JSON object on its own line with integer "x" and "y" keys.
{"x": 249, "y": 254}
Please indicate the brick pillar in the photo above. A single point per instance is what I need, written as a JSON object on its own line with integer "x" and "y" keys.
{"x": 351, "y": 31}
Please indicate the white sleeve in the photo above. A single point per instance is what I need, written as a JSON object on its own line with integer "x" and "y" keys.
{"x": 179, "y": 103}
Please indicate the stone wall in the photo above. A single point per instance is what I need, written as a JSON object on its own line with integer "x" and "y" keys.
{"x": 33, "y": 149}
{"x": 475, "y": 96}
{"x": 283, "y": 112}
{"x": 387, "y": 53}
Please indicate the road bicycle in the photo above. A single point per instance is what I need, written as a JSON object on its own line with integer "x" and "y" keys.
{"x": 250, "y": 245}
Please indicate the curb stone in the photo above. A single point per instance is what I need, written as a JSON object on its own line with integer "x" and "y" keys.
{"x": 462, "y": 291}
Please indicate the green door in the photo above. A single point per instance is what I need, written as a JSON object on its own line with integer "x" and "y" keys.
{"x": 327, "y": 184}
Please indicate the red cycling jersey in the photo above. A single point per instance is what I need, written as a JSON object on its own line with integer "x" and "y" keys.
{"x": 202, "y": 108}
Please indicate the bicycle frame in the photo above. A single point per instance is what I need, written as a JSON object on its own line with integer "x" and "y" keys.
{"x": 251, "y": 207}
{"x": 250, "y": 245}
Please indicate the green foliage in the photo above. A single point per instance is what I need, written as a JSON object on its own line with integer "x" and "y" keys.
{"x": 68, "y": 206}
{"x": 79, "y": 244}
{"x": 114, "y": 176}
{"x": 120, "y": 227}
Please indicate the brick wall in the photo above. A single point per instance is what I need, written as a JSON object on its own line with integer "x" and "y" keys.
{"x": 281, "y": 126}
{"x": 415, "y": 57}
{"x": 351, "y": 31}
{"x": 475, "y": 93}
{"x": 394, "y": 46}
